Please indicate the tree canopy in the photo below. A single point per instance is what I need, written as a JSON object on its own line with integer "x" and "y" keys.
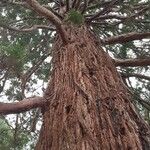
{"x": 28, "y": 29}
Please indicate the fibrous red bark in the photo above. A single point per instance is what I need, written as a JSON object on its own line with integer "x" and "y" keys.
{"x": 89, "y": 107}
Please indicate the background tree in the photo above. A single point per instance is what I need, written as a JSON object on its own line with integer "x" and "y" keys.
{"x": 28, "y": 30}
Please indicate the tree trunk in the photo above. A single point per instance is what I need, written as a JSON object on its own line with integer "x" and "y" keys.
{"x": 88, "y": 107}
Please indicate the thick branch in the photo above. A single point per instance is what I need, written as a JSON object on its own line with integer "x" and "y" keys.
{"x": 44, "y": 12}
{"x": 126, "y": 38}
{"x": 132, "y": 62}
{"x": 50, "y": 16}
{"x": 21, "y": 106}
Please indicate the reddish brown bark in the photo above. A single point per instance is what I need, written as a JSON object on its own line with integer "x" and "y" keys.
{"x": 89, "y": 107}
{"x": 21, "y": 106}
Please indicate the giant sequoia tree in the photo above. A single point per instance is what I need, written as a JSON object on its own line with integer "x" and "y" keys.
{"x": 87, "y": 104}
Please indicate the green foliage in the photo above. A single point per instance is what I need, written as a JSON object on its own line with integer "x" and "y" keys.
{"x": 14, "y": 56}
{"x": 16, "y": 50}
{"x": 7, "y": 138}
{"x": 75, "y": 17}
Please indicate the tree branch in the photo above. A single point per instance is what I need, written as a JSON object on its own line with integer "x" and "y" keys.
{"x": 77, "y": 5}
{"x": 44, "y": 12}
{"x": 21, "y": 106}
{"x": 5, "y": 3}
{"x": 73, "y": 3}
{"x": 132, "y": 62}
{"x": 120, "y": 17}
{"x": 140, "y": 76}
{"x": 26, "y": 76}
{"x": 85, "y": 6}
{"x": 34, "y": 27}
{"x": 50, "y": 16}
{"x": 104, "y": 11}
{"x": 67, "y": 5}
{"x": 143, "y": 102}
{"x": 125, "y": 38}
{"x": 111, "y": 16}
{"x": 98, "y": 4}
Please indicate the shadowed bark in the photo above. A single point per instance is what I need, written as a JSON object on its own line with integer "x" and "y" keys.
{"x": 89, "y": 107}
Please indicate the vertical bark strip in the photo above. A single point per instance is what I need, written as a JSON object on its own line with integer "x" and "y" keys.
{"x": 88, "y": 106}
